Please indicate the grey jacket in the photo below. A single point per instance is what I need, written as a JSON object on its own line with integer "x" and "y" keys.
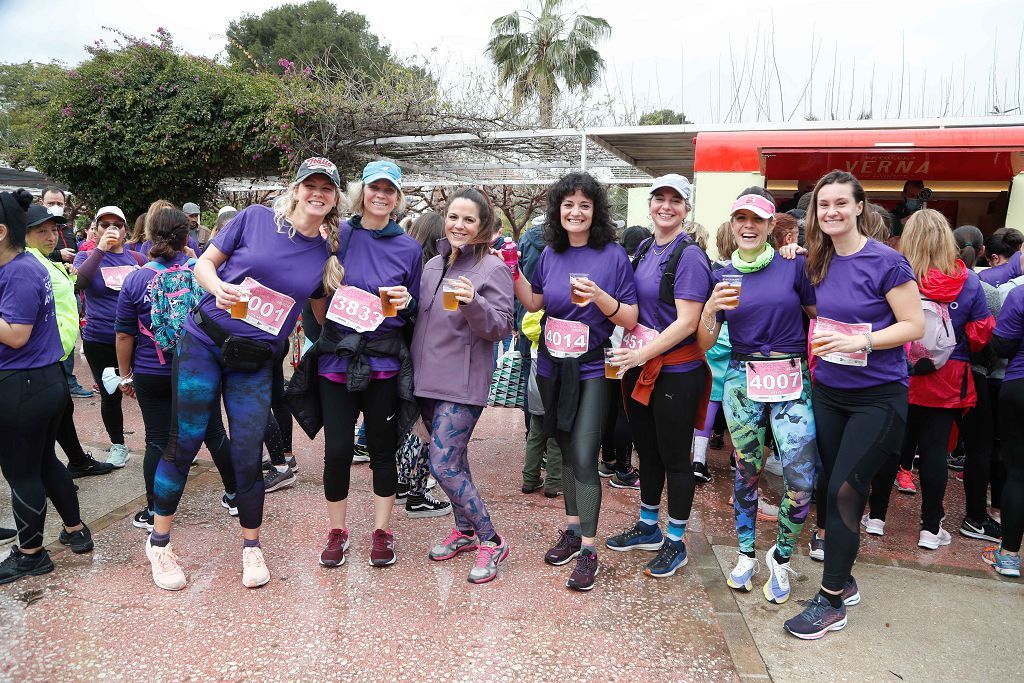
{"x": 453, "y": 351}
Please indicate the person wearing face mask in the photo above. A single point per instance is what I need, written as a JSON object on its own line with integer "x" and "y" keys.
{"x": 257, "y": 274}
{"x": 100, "y": 274}
{"x": 911, "y": 203}
{"x": 54, "y": 201}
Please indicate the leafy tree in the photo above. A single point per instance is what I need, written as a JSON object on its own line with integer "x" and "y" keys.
{"x": 143, "y": 121}
{"x": 663, "y": 117}
{"x": 25, "y": 93}
{"x": 538, "y": 51}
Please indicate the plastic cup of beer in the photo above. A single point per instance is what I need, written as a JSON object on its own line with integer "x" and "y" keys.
{"x": 389, "y": 309}
{"x": 575, "y": 298}
{"x": 611, "y": 371}
{"x": 240, "y": 309}
{"x": 449, "y": 289}
{"x": 816, "y": 348}
{"x": 734, "y": 281}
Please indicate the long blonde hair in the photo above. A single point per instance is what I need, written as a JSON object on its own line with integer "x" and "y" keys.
{"x": 928, "y": 243}
{"x": 285, "y": 205}
{"x": 725, "y": 241}
{"x": 698, "y": 232}
{"x": 151, "y": 213}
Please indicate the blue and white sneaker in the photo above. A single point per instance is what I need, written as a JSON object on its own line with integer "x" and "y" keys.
{"x": 776, "y": 588}
{"x": 1004, "y": 563}
{"x": 671, "y": 557}
{"x": 851, "y": 595}
{"x": 817, "y": 619}
{"x": 741, "y": 578}
{"x": 640, "y": 537}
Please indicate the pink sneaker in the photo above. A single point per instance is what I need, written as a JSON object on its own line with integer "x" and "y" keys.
{"x": 454, "y": 543}
{"x": 488, "y": 557}
{"x": 905, "y": 482}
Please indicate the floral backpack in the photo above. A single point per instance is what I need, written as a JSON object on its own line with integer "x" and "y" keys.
{"x": 174, "y": 294}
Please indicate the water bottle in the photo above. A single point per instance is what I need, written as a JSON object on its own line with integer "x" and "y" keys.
{"x": 511, "y": 257}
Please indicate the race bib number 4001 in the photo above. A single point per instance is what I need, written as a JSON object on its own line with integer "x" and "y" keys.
{"x": 113, "y": 276}
{"x": 356, "y": 309}
{"x": 566, "y": 338}
{"x": 770, "y": 381}
{"x": 268, "y": 309}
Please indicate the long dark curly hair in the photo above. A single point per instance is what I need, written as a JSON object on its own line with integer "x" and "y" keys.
{"x": 602, "y": 229}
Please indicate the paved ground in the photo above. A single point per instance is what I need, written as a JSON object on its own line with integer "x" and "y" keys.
{"x": 925, "y": 616}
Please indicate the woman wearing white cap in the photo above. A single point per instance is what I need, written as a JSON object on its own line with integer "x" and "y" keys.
{"x": 669, "y": 394}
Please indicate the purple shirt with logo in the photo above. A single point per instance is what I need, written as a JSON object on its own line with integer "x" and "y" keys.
{"x": 100, "y": 300}
{"x": 997, "y": 275}
{"x": 1010, "y": 325}
{"x": 134, "y": 306}
{"x": 770, "y": 315}
{"x": 969, "y": 306}
{"x": 609, "y": 267}
{"x": 693, "y": 283}
{"x": 26, "y": 298}
{"x": 257, "y": 248}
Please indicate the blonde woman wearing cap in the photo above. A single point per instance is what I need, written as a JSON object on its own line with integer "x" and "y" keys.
{"x": 100, "y": 274}
{"x": 230, "y": 355}
{"x": 670, "y": 393}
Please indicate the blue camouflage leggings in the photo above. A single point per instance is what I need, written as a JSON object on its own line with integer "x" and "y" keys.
{"x": 792, "y": 423}
{"x": 451, "y": 426}
{"x": 198, "y": 380}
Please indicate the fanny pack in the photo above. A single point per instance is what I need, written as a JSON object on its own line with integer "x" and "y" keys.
{"x": 236, "y": 352}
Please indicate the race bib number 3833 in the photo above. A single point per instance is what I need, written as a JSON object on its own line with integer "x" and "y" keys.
{"x": 268, "y": 309}
{"x": 566, "y": 338}
{"x": 356, "y": 309}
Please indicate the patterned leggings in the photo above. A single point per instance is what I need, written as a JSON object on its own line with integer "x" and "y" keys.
{"x": 792, "y": 423}
{"x": 450, "y": 426}
{"x": 413, "y": 464}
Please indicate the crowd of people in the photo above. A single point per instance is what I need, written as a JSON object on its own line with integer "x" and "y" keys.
{"x": 845, "y": 350}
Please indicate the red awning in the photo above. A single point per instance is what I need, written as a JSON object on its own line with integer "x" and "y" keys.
{"x": 963, "y": 163}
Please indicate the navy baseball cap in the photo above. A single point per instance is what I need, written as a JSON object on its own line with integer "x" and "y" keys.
{"x": 314, "y": 165}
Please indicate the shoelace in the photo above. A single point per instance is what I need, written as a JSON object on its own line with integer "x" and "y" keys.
{"x": 166, "y": 560}
{"x": 380, "y": 541}
{"x": 484, "y": 555}
{"x": 754, "y": 566}
{"x": 452, "y": 537}
{"x": 252, "y": 559}
{"x": 336, "y": 537}
{"x": 783, "y": 575}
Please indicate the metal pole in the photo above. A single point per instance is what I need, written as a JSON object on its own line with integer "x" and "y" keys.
{"x": 583, "y": 152}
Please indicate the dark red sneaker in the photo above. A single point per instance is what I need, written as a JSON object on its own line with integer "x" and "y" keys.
{"x": 584, "y": 573}
{"x": 337, "y": 543}
{"x": 382, "y": 553}
{"x": 567, "y": 547}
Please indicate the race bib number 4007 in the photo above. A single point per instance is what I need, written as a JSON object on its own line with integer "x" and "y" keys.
{"x": 771, "y": 381}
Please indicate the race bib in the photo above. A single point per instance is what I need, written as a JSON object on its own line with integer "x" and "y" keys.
{"x": 638, "y": 337}
{"x": 857, "y": 358}
{"x": 771, "y": 381}
{"x": 268, "y": 309}
{"x": 356, "y": 309}
{"x": 566, "y": 338}
{"x": 113, "y": 276}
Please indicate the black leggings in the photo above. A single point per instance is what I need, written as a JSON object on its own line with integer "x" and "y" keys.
{"x": 31, "y": 402}
{"x": 858, "y": 432}
{"x": 379, "y": 405}
{"x": 102, "y": 356}
{"x": 977, "y": 430}
{"x": 67, "y": 437}
{"x": 153, "y": 392}
{"x": 617, "y": 444}
{"x": 580, "y": 480}
{"x": 997, "y": 477}
{"x": 663, "y": 432}
{"x": 279, "y": 408}
{"x": 1011, "y": 414}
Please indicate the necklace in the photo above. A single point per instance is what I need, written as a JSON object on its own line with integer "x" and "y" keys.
{"x": 665, "y": 247}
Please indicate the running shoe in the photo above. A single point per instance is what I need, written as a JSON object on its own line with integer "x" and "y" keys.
{"x": 118, "y": 455}
{"x": 488, "y": 557}
{"x": 18, "y": 565}
{"x": 671, "y": 557}
{"x": 905, "y": 482}
{"x": 254, "y": 568}
{"x": 851, "y": 596}
{"x": 431, "y": 483}
{"x": 530, "y": 488}
{"x": 988, "y": 530}
{"x": 875, "y": 527}
{"x": 167, "y": 573}
{"x": 333, "y": 555}
{"x": 732, "y": 461}
{"x": 955, "y": 461}
{"x": 360, "y": 454}
{"x": 426, "y": 506}
{"x": 565, "y": 549}
{"x": 629, "y": 479}
{"x": 90, "y": 467}
{"x": 553, "y": 492}
{"x": 773, "y": 463}
{"x": 741, "y": 577}
{"x": 766, "y": 512}
{"x": 143, "y": 519}
{"x": 402, "y": 492}
{"x": 640, "y": 537}
{"x": 81, "y": 392}
{"x": 605, "y": 469}
{"x": 7, "y": 535}
{"x": 292, "y": 463}
{"x": 933, "y": 541}
{"x": 817, "y": 619}
{"x": 275, "y": 480}
{"x": 455, "y": 542}
{"x": 816, "y": 547}
{"x": 716, "y": 441}
{"x": 1004, "y": 563}
{"x": 701, "y": 474}
{"x": 229, "y": 505}
{"x": 584, "y": 573}
{"x": 382, "y": 550}
{"x": 776, "y": 588}
{"x": 79, "y": 541}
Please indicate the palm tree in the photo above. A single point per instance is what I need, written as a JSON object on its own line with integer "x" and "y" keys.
{"x": 549, "y": 51}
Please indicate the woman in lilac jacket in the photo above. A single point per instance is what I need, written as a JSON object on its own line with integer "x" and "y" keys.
{"x": 452, "y": 354}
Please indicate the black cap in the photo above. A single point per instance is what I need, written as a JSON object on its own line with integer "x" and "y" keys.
{"x": 315, "y": 165}
{"x": 38, "y": 214}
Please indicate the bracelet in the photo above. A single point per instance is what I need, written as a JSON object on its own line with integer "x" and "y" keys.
{"x": 618, "y": 305}
{"x": 709, "y": 327}
{"x": 870, "y": 346}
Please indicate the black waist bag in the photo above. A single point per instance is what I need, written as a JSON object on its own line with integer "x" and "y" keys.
{"x": 245, "y": 355}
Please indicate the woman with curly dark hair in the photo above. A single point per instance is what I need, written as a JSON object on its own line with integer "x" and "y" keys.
{"x": 584, "y": 282}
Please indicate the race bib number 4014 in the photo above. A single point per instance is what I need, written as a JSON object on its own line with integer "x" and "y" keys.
{"x": 566, "y": 338}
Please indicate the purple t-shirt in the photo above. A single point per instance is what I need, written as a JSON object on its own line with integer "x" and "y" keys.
{"x": 1010, "y": 325}
{"x": 144, "y": 248}
{"x": 770, "y": 315}
{"x": 100, "y": 300}
{"x": 134, "y": 306}
{"x": 968, "y": 306}
{"x": 26, "y": 298}
{"x": 997, "y": 275}
{"x": 257, "y": 248}
{"x": 693, "y": 283}
{"x": 609, "y": 268}
{"x": 372, "y": 261}
{"x": 854, "y": 291}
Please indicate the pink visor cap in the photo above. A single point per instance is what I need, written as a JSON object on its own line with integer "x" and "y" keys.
{"x": 754, "y": 203}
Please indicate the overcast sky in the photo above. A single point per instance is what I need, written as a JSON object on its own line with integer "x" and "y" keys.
{"x": 671, "y": 53}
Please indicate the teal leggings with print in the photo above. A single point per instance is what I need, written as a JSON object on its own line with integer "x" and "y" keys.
{"x": 792, "y": 423}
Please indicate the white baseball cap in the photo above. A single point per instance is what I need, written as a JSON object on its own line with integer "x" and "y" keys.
{"x": 111, "y": 210}
{"x": 677, "y": 182}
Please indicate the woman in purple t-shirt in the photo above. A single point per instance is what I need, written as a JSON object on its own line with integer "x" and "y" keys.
{"x": 584, "y": 282}
{"x": 33, "y": 393}
{"x": 868, "y": 308}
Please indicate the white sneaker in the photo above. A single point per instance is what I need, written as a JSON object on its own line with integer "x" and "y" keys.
{"x": 932, "y": 541}
{"x": 875, "y": 527}
{"x": 167, "y": 573}
{"x": 254, "y": 568}
{"x": 776, "y": 588}
{"x": 741, "y": 577}
{"x": 773, "y": 464}
{"x": 118, "y": 455}
{"x": 431, "y": 482}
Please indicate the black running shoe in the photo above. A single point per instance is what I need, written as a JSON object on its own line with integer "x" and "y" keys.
{"x": 90, "y": 467}
{"x": 716, "y": 441}
{"x": 7, "y": 535}
{"x": 80, "y": 541}
{"x": 565, "y": 549}
{"x": 276, "y": 480}
{"x": 988, "y": 530}
{"x": 426, "y": 506}
{"x": 701, "y": 475}
{"x": 584, "y": 573}
{"x": 18, "y": 565}
{"x": 143, "y": 520}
